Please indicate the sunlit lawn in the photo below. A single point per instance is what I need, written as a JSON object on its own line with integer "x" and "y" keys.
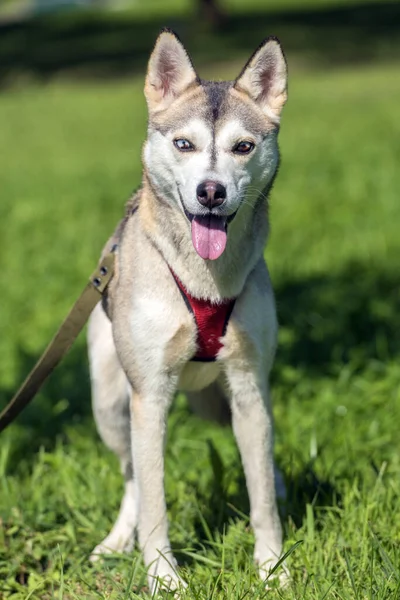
{"x": 70, "y": 156}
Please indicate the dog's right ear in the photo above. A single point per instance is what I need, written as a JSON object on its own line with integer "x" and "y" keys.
{"x": 169, "y": 73}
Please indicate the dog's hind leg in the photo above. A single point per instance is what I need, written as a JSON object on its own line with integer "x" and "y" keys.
{"x": 110, "y": 399}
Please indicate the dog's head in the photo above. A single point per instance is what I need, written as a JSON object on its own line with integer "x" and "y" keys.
{"x": 212, "y": 146}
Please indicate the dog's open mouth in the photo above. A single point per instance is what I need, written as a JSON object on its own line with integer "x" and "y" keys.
{"x": 209, "y": 234}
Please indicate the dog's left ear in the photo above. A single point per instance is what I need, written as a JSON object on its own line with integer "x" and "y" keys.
{"x": 264, "y": 78}
{"x": 169, "y": 73}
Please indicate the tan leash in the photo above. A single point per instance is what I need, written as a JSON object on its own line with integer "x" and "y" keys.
{"x": 62, "y": 341}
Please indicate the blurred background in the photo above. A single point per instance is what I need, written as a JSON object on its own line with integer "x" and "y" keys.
{"x": 72, "y": 121}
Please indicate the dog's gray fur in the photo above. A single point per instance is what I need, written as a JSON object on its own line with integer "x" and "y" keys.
{"x": 140, "y": 350}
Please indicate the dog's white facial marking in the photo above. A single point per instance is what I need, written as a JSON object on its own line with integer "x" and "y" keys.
{"x": 234, "y": 132}
{"x": 233, "y": 167}
{"x": 197, "y": 132}
{"x": 245, "y": 175}
{"x": 177, "y": 174}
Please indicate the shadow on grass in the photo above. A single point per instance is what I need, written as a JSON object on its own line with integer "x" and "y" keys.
{"x": 219, "y": 508}
{"x": 63, "y": 400}
{"x": 331, "y": 320}
{"x": 303, "y": 488}
{"x": 99, "y": 45}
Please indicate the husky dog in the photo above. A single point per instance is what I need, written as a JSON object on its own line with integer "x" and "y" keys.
{"x": 191, "y": 306}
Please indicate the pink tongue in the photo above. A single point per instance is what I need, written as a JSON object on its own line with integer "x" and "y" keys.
{"x": 209, "y": 236}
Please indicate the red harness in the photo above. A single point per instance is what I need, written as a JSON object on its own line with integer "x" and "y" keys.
{"x": 211, "y": 320}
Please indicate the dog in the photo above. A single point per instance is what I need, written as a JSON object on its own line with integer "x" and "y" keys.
{"x": 190, "y": 306}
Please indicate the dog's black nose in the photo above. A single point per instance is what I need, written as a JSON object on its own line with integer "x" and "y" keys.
{"x": 211, "y": 193}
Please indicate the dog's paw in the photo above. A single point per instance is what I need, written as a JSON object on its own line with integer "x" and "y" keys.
{"x": 266, "y": 563}
{"x": 163, "y": 576}
{"x": 279, "y": 578}
{"x": 110, "y": 545}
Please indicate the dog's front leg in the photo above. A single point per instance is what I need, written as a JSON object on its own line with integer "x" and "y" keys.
{"x": 148, "y": 423}
{"x": 154, "y": 336}
{"x": 253, "y": 429}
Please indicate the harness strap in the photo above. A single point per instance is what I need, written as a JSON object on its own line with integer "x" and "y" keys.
{"x": 62, "y": 341}
{"x": 211, "y": 322}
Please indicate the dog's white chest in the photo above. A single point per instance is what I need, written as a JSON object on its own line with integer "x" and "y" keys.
{"x": 196, "y": 376}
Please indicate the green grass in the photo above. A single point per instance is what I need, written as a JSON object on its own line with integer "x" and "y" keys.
{"x": 69, "y": 158}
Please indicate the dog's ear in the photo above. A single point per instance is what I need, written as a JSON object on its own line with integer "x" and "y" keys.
{"x": 169, "y": 73}
{"x": 264, "y": 77}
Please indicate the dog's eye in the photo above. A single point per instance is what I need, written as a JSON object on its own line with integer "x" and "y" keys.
{"x": 183, "y": 145}
{"x": 243, "y": 148}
